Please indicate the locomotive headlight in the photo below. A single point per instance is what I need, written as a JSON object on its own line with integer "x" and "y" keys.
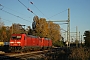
{"x": 11, "y": 42}
{"x": 18, "y": 42}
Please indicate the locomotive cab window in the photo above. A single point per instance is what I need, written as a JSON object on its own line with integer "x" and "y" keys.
{"x": 13, "y": 37}
{"x": 16, "y": 37}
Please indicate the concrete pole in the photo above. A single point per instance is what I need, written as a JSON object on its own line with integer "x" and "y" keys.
{"x": 67, "y": 35}
{"x": 79, "y": 36}
{"x": 76, "y": 36}
{"x": 68, "y": 28}
{"x": 12, "y": 28}
{"x": 76, "y": 32}
{"x": 81, "y": 40}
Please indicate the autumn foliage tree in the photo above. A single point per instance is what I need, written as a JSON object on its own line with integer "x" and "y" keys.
{"x": 5, "y": 33}
{"x": 46, "y": 29}
{"x": 29, "y": 30}
{"x": 54, "y": 31}
{"x": 80, "y": 53}
{"x": 42, "y": 28}
{"x": 17, "y": 28}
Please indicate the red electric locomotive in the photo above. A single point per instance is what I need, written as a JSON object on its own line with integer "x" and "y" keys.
{"x": 23, "y": 42}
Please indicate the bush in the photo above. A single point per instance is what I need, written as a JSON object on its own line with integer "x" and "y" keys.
{"x": 80, "y": 54}
{"x": 58, "y": 44}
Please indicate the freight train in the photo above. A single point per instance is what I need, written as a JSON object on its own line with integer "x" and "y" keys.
{"x": 23, "y": 42}
{"x": 4, "y": 46}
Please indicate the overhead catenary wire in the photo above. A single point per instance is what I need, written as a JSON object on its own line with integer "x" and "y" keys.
{"x": 11, "y": 13}
{"x": 23, "y": 4}
{"x": 37, "y": 8}
{"x": 58, "y": 13}
{"x": 27, "y": 7}
{"x": 14, "y": 15}
{"x": 12, "y": 10}
{"x": 43, "y": 13}
{"x": 6, "y": 20}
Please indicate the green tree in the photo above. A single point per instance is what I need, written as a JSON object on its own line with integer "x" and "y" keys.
{"x": 58, "y": 43}
{"x": 87, "y": 38}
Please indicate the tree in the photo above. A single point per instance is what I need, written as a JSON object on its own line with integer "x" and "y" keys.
{"x": 8, "y": 33}
{"x": 28, "y": 30}
{"x": 54, "y": 31}
{"x": 42, "y": 28}
{"x": 2, "y": 31}
{"x": 58, "y": 43}
{"x": 87, "y": 38}
{"x": 17, "y": 28}
{"x": 5, "y": 34}
{"x": 79, "y": 54}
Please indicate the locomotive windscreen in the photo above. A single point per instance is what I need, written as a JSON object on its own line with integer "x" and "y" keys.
{"x": 16, "y": 37}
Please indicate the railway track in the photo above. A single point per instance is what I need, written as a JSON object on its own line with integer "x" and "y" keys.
{"x": 19, "y": 54}
{"x": 29, "y": 55}
{"x": 54, "y": 53}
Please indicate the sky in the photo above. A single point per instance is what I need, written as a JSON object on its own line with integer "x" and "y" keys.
{"x": 12, "y": 11}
